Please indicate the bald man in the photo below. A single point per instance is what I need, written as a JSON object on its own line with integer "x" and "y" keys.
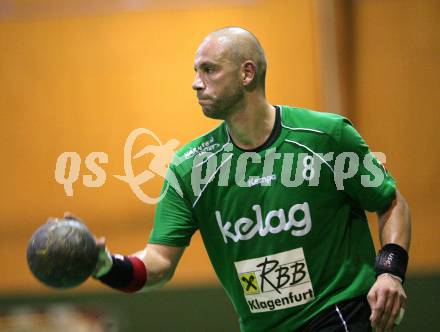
{"x": 293, "y": 255}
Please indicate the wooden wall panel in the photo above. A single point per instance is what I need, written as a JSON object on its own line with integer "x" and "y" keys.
{"x": 396, "y": 103}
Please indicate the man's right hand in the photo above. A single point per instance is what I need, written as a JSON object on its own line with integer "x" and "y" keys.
{"x": 105, "y": 262}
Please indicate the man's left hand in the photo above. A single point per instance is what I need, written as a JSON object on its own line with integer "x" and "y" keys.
{"x": 386, "y": 297}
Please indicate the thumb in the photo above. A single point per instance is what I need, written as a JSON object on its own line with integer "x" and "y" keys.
{"x": 105, "y": 262}
{"x": 70, "y": 216}
{"x": 100, "y": 242}
{"x": 371, "y": 297}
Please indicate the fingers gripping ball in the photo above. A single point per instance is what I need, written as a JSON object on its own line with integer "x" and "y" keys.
{"x": 62, "y": 253}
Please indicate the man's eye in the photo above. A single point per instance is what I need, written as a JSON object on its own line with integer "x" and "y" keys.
{"x": 209, "y": 70}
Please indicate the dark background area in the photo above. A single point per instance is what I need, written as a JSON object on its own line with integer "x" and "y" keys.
{"x": 209, "y": 309}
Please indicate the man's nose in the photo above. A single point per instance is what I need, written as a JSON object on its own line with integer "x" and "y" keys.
{"x": 198, "y": 83}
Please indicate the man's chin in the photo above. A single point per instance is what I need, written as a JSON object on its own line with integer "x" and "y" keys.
{"x": 212, "y": 113}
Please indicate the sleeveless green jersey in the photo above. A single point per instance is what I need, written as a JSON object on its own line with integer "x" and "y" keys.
{"x": 284, "y": 227}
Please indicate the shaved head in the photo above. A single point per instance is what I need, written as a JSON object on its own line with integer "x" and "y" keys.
{"x": 230, "y": 70}
{"x": 240, "y": 45}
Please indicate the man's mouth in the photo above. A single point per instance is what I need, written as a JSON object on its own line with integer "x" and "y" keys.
{"x": 205, "y": 101}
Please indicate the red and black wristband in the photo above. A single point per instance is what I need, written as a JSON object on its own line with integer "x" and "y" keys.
{"x": 392, "y": 259}
{"x": 128, "y": 274}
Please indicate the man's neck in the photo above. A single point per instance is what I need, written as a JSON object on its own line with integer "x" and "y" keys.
{"x": 252, "y": 125}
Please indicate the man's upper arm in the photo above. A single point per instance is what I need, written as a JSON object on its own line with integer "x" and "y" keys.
{"x": 172, "y": 231}
{"x": 173, "y": 221}
{"x": 166, "y": 253}
{"x": 363, "y": 187}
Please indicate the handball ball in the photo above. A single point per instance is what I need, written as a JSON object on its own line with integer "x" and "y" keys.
{"x": 62, "y": 253}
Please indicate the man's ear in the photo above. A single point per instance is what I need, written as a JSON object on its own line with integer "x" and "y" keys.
{"x": 249, "y": 72}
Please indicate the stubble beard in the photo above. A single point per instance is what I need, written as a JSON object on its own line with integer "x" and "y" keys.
{"x": 225, "y": 104}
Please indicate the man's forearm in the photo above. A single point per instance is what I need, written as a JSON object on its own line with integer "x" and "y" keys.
{"x": 395, "y": 223}
{"x": 387, "y": 297}
{"x": 146, "y": 269}
{"x": 160, "y": 262}
{"x": 395, "y": 236}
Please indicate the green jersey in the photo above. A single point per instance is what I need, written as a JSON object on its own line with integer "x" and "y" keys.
{"x": 284, "y": 226}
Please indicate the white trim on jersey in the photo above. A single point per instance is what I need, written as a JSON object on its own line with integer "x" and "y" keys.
{"x": 303, "y": 129}
{"x": 342, "y": 318}
{"x": 213, "y": 154}
{"x": 297, "y": 129}
{"x": 210, "y": 179}
{"x": 310, "y": 150}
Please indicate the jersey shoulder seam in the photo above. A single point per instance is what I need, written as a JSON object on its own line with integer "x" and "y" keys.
{"x": 296, "y": 119}
{"x": 207, "y": 144}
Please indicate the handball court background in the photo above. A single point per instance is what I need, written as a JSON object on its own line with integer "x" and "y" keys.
{"x": 80, "y": 75}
